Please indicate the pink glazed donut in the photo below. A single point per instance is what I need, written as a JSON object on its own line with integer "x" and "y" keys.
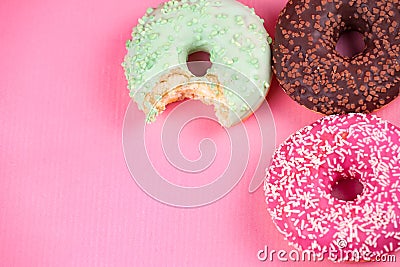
{"x": 307, "y": 168}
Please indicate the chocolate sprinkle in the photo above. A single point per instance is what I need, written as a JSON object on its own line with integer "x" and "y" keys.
{"x": 314, "y": 74}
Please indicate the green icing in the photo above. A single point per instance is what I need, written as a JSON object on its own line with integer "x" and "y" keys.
{"x": 231, "y": 32}
{"x": 239, "y": 20}
{"x": 221, "y": 16}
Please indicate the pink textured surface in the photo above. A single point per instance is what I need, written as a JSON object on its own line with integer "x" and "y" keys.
{"x": 66, "y": 196}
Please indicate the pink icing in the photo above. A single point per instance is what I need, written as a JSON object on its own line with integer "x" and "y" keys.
{"x": 299, "y": 184}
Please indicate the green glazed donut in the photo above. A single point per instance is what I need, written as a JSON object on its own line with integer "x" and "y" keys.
{"x": 234, "y": 36}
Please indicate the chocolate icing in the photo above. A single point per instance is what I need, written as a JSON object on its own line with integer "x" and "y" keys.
{"x": 314, "y": 74}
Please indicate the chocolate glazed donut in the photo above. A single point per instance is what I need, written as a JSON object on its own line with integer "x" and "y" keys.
{"x": 313, "y": 73}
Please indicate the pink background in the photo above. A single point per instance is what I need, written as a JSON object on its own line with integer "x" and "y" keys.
{"x": 66, "y": 196}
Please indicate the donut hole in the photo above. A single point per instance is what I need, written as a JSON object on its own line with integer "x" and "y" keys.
{"x": 350, "y": 43}
{"x": 347, "y": 188}
{"x": 198, "y": 63}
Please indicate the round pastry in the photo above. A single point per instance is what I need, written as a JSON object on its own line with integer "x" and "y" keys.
{"x": 234, "y": 36}
{"x": 354, "y": 149}
{"x": 317, "y": 76}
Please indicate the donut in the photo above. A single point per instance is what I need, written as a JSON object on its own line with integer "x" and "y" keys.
{"x": 310, "y": 164}
{"x": 233, "y": 35}
{"x": 314, "y": 74}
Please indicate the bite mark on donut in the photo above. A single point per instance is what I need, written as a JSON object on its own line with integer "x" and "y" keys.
{"x": 178, "y": 85}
